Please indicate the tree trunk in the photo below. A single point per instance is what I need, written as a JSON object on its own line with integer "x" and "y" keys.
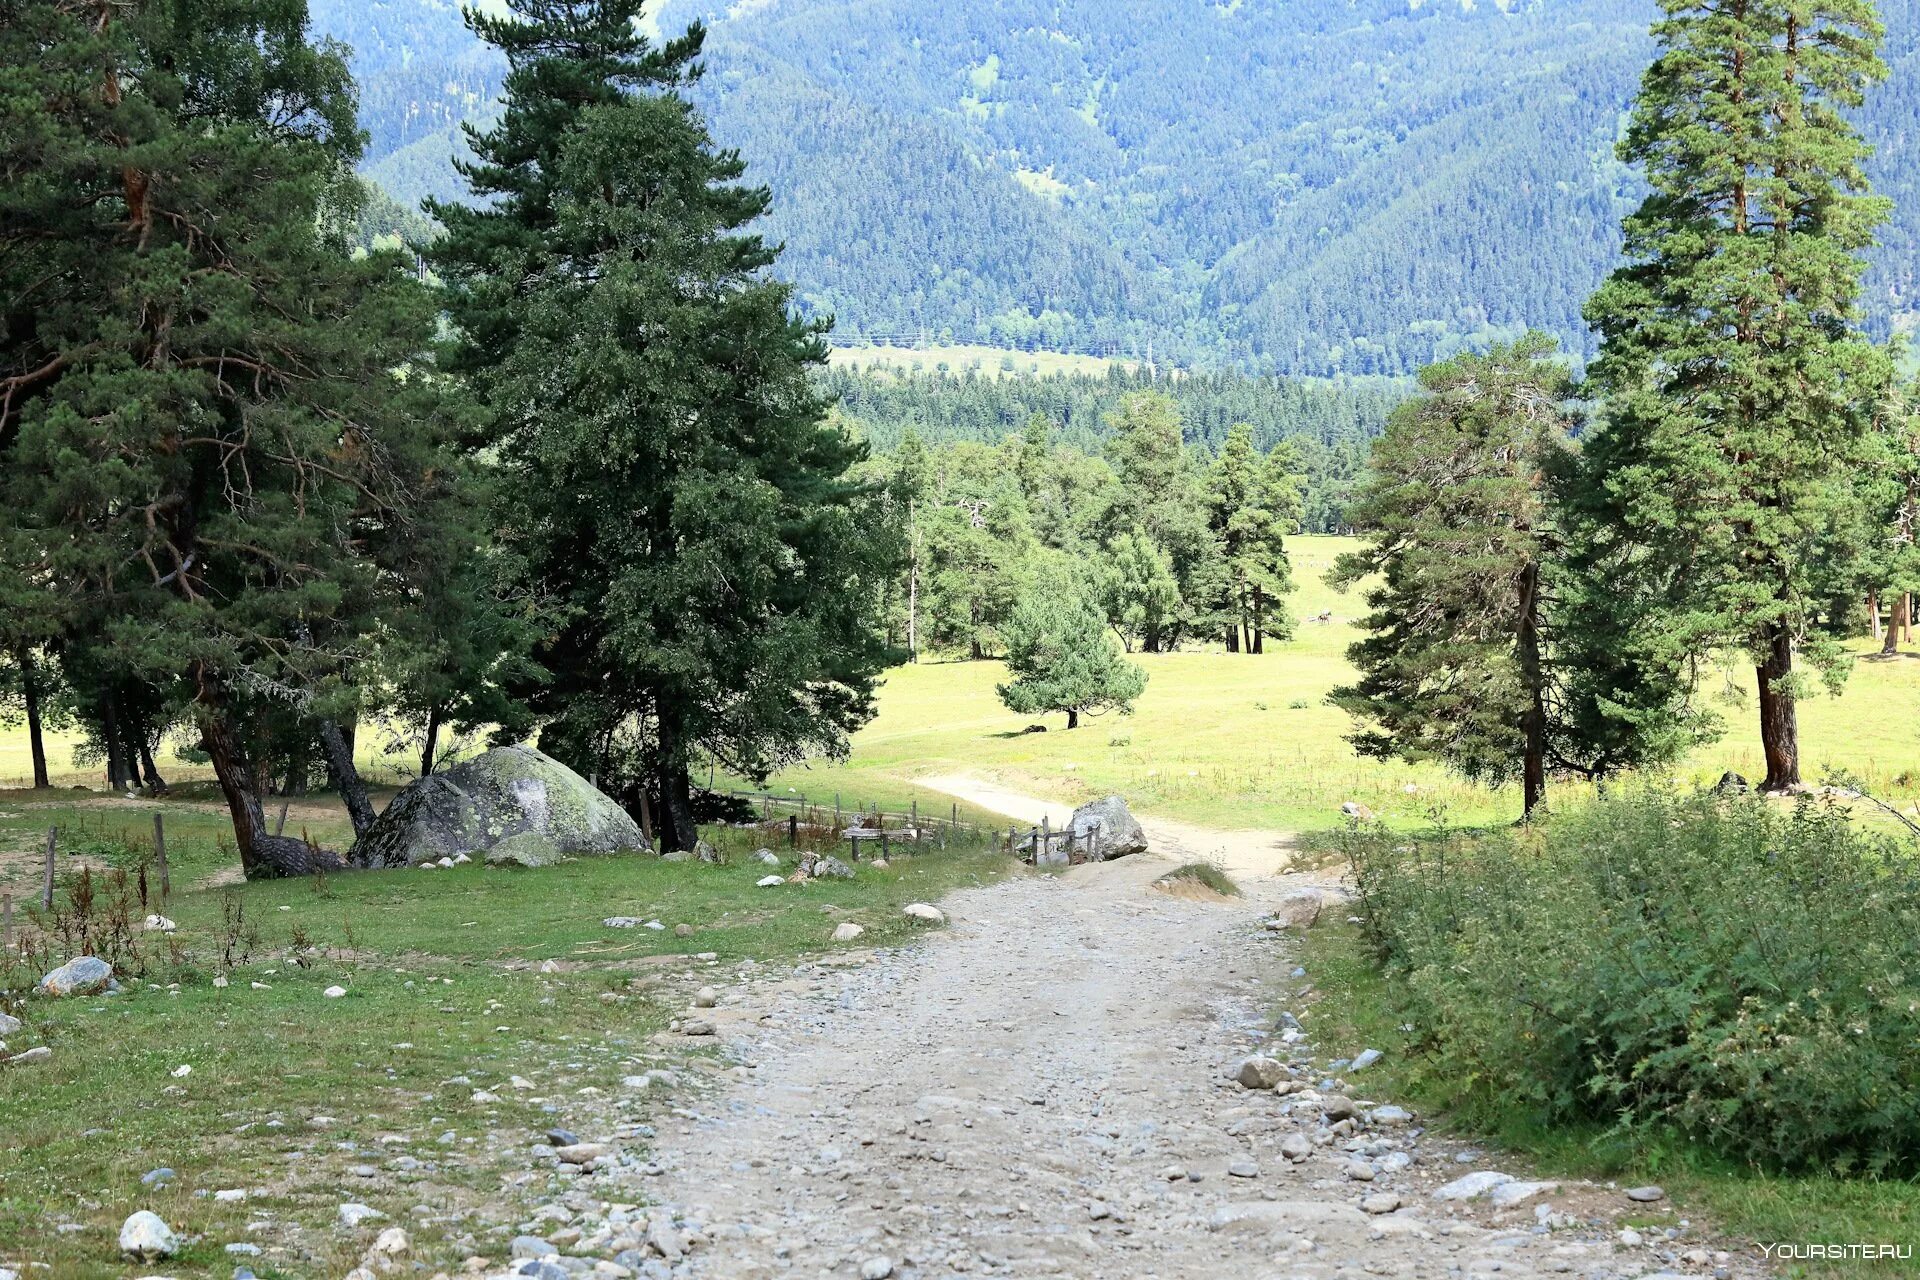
{"x": 1534, "y": 720}
{"x": 677, "y": 828}
{"x": 142, "y": 735}
{"x": 262, "y": 856}
{"x": 1073, "y": 717}
{"x": 30, "y": 691}
{"x": 1891, "y": 644}
{"x": 346, "y": 777}
{"x": 913, "y": 598}
{"x": 118, "y": 775}
{"x": 1906, "y": 611}
{"x": 1873, "y": 613}
{"x": 1233, "y": 638}
{"x": 1779, "y": 724}
{"x": 433, "y": 741}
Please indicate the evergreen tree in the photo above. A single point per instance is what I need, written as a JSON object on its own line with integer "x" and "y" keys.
{"x": 1060, "y": 656}
{"x": 910, "y": 479}
{"x": 1254, "y": 506}
{"x": 673, "y": 482}
{"x": 1139, "y": 590}
{"x": 1162, "y": 497}
{"x": 199, "y": 425}
{"x": 1457, "y": 665}
{"x": 1737, "y": 391}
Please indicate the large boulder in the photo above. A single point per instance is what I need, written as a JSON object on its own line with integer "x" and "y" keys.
{"x": 81, "y": 976}
{"x": 1105, "y": 829}
{"x": 537, "y": 808}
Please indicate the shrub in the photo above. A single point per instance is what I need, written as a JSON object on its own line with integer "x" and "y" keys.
{"x": 1206, "y": 875}
{"x": 1743, "y": 973}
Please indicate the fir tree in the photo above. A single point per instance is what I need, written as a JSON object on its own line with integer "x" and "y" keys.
{"x": 1737, "y": 391}
{"x": 1254, "y": 506}
{"x": 673, "y": 482}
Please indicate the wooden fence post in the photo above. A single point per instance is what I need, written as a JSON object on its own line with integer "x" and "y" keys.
{"x": 1045, "y": 846}
{"x": 836, "y": 811}
{"x": 853, "y": 846}
{"x": 6, "y": 922}
{"x": 46, "y": 886}
{"x": 793, "y": 831}
{"x": 160, "y": 853}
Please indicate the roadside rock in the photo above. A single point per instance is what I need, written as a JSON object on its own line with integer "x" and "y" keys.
{"x": 1298, "y": 909}
{"x": 1260, "y": 1073}
{"x": 1646, "y": 1195}
{"x": 145, "y": 1237}
{"x": 1107, "y": 829}
{"x": 1473, "y": 1185}
{"x": 925, "y": 911}
{"x": 1380, "y": 1202}
{"x": 482, "y": 803}
{"x": 81, "y": 976}
{"x": 352, "y": 1214}
{"x": 847, "y": 932}
{"x": 831, "y": 868}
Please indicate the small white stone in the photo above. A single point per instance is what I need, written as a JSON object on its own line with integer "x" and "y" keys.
{"x": 352, "y": 1215}
{"x": 334, "y": 993}
{"x": 847, "y": 932}
{"x": 925, "y": 911}
{"x": 392, "y": 1241}
{"x": 876, "y": 1268}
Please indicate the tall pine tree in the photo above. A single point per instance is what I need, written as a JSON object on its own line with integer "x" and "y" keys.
{"x": 202, "y": 422}
{"x": 1737, "y": 390}
{"x": 1456, "y": 513}
{"x": 673, "y": 483}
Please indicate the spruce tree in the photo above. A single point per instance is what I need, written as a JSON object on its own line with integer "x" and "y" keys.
{"x": 200, "y": 430}
{"x": 671, "y": 478}
{"x": 1456, "y": 516}
{"x": 1737, "y": 391}
{"x": 1254, "y": 506}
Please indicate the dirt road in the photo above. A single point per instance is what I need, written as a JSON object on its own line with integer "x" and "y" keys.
{"x": 1045, "y": 1089}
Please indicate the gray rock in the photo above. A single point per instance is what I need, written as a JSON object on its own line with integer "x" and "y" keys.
{"x": 1296, "y": 1147}
{"x": 767, "y": 856}
{"x": 1243, "y": 1169}
{"x": 707, "y": 853}
{"x": 1390, "y": 1115}
{"x": 8, "y": 1024}
{"x": 1260, "y": 1073}
{"x": 1646, "y": 1195}
{"x": 705, "y": 998}
{"x": 81, "y": 976}
{"x": 157, "y": 1175}
{"x": 39, "y": 1053}
{"x": 621, "y": 922}
{"x": 1508, "y": 1194}
{"x": 1473, "y": 1185}
{"x": 526, "y": 849}
{"x": 832, "y": 868}
{"x": 352, "y": 1215}
{"x": 484, "y": 802}
{"x": 876, "y": 1268}
{"x": 1359, "y": 1171}
{"x": 145, "y": 1237}
{"x": 1338, "y": 1106}
{"x": 1298, "y": 909}
{"x": 583, "y": 1152}
{"x": 1107, "y": 829}
{"x": 562, "y": 1137}
{"x": 1364, "y": 1059}
{"x": 1380, "y": 1202}
{"x": 531, "y": 1247}
{"x": 664, "y": 1240}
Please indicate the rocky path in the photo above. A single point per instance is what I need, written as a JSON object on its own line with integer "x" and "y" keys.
{"x": 1046, "y": 1088}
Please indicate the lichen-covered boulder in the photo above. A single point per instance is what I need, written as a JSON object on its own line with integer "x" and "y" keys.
{"x": 487, "y": 804}
{"x": 1107, "y": 829}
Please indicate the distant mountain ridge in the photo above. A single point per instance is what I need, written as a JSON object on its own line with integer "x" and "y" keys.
{"x": 1309, "y": 186}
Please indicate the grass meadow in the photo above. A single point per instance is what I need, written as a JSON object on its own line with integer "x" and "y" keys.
{"x": 1234, "y": 740}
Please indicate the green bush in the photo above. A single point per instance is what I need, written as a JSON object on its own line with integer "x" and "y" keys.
{"x": 1743, "y": 973}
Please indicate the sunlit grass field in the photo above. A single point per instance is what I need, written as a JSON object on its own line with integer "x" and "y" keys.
{"x": 1235, "y": 740}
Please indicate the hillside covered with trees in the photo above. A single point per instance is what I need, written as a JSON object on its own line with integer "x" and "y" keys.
{"x": 1315, "y": 187}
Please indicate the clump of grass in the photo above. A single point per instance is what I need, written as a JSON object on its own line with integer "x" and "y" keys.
{"x": 1194, "y": 876}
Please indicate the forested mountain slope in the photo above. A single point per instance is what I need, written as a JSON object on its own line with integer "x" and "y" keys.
{"x": 1315, "y": 186}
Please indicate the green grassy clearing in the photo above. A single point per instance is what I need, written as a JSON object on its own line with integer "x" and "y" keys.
{"x": 1239, "y": 741}
{"x": 444, "y": 997}
{"x": 1353, "y": 1008}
